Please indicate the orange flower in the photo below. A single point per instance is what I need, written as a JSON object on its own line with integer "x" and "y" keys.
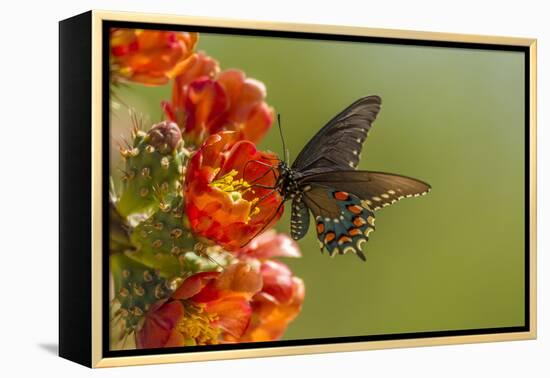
{"x": 205, "y": 107}
{"x": 208, "y": 105}
{"x": 207, "y": 308}
{"x": 223, "y": 201}
{"x": 278, "y": 304}
{"x": 150, "y": 57}
{"x": 198, "y": 66}
{"x": 247, "y": 113}
{"x": 282, "y": 294}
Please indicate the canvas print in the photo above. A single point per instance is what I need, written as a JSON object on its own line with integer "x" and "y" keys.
{"x": 247, "y": 173}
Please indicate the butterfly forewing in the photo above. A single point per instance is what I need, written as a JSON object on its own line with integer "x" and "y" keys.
{"x": 375, "y": 189}
{"x": 339, "y": 143}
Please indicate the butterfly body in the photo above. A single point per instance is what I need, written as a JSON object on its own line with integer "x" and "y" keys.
{"x": 286, "y": 182}
{"x": 323, "y": 181}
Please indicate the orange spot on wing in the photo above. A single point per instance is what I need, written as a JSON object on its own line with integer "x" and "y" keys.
{"x": 320, "y": 228}
{"x": 342, "y": 196}
{"x": 355, "y": 209}
{"x": 330, "y": 236}
{"x": 358, "y": 221}
{"x": 354, "y": 231}
{"x": 344, "y": 239}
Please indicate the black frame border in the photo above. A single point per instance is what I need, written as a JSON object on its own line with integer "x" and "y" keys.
{"x": 75, "y": 194}
{"x": 105, "y": 116}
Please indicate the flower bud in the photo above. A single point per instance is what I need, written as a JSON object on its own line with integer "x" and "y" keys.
{"x": 164, "y": 136}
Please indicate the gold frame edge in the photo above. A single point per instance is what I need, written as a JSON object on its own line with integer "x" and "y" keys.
{"x": 97, "y": 187}
{"x": 97, "y": 196}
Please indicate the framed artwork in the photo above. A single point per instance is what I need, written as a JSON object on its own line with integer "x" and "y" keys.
{"x": 220, "y": 182}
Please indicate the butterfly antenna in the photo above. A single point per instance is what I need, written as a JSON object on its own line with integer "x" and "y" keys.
{"x": 285, "y": 151}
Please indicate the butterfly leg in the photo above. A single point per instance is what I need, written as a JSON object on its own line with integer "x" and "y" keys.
{"x": 268, "y": 223}
{"x": 261, "y": 199}
{"x": 270, "y": 170}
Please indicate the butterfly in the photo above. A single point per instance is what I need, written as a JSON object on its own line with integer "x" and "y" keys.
{"x": 323, "y": 180}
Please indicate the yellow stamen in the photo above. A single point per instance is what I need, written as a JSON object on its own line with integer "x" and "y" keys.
{"x": 227, "y": 183}
{"x": 236, "y": 189}
{"x": 196, "y": 325}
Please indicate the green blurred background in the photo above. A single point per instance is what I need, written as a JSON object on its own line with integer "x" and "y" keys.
{"x": 453, "y": 259}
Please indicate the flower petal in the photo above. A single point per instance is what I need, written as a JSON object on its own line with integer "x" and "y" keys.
{"x": 159, "y": 324}
{"x": 148, "y": 57}
{"x": 278, "y": 282}
{"x": 271, "y": 244}
{"x": 241, "y": 277}
{"x": 193, "y": 285}
{"x": 233, "y": 314}
{"x": 257, "y": 123}
{"x": 271, "y": 319}
{"x": 205, "y": 104}
{"x": 198, "y": 65}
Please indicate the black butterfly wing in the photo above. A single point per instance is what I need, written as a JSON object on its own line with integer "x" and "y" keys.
{"x": 339, "y": 143}
{"x": 342, "y": 223}
{"x": 375, "y": 189}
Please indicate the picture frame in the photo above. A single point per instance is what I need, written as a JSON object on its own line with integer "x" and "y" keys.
{"x": 85, "y": 109}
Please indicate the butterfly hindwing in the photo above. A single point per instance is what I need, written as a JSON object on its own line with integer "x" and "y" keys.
{"x": 339, "y": 143}
{"x": 342, "y": 223}
{"x": 299, "y": 222}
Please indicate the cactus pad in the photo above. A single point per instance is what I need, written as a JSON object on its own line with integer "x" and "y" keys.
{"x": 153, "y": 167}
{"x": 163, "y": 239}
{"x": 136, "y": 287}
